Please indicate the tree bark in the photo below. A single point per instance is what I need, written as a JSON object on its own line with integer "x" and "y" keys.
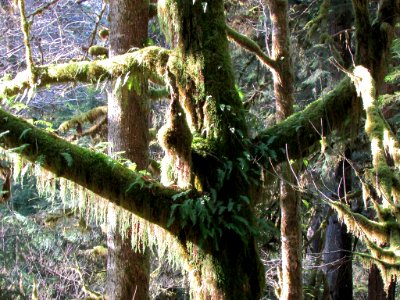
{"x": 338, "y": 260}
{"x": 338, "y": 241}
{"x": 128, "y": 272}
{"x": 376, "y": 288}
{"x": 235, "y": 272}
{"x": 292, "y": 286}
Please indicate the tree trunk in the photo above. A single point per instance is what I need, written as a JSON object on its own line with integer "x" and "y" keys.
{"x": 376, "y": 289}
{"x": 128, "y": 110}
{"x": 292, "y": 286}
{"x": 338, "y": 242}
{"x": 338, "y": 260}
{"x": 230, "y": 268}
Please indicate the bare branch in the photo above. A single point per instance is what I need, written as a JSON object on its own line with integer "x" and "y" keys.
{"x": 42, "y": 9}
{"x": 28, "y": 52}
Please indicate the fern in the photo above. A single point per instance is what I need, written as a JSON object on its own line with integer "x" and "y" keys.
{"x": 68, "y": 158}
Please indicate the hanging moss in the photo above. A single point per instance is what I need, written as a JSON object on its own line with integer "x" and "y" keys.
{"x": 175, "y": 138}
{"x": 360, "y": 225}
{"x": 94, "y": 171}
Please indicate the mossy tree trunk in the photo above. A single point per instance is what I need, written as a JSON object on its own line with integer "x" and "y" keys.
{"x": 223, "y": 258}
{"x": 291, "y": 241}
{"x": 128, "y": 272}
{"x": 230, "y": 268}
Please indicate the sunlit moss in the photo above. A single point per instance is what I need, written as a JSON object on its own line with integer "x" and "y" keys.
{"x": 149, "y": 62}
{"x": 89, "y": 116}
{"x": 98, "y": 51}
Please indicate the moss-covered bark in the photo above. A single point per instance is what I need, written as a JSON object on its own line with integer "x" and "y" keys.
{"x": 207, "y": 93}
{"x": 302, "y": 130}
{"x": 94, "y": 171}
{"x": 381, "y": 182}
{"x": 89, "y": 116}
{"x": 290, "y": 227}
{"x": 28, "y": 52}
{"x": 251, "y": 46}
{"x": 150, "y": 61}
{"x": 98, "y": 51}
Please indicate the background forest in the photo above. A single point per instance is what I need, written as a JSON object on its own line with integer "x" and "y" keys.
{"x": 53, "y": 233}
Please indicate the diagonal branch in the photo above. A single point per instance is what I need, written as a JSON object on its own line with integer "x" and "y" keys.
{"x": 251, "y": 46}
{"x": 94, "y": 171}
{"x": 303, "y": 129}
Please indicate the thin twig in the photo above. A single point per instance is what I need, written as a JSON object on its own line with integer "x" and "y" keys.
{"x": 99, "y": 17}
{"x": 41, "y": 9}
{"x": 25, "y": 30}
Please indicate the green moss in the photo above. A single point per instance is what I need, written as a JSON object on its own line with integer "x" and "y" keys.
{"x": 104, "y": 33}
{"x": 98, "y": 51}
{"x": 94, "y": 171}
{"x": 315, "y": 24}
{"x": 251, "y": 46}
{"x": 298, "y": 133}
{"x": 150, "y": 62}
{"x": 89, "y": 116}
{"x": 207, "y": 93}
{"x": 360, "y": 225}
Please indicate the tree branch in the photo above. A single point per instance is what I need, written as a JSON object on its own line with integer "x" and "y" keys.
{"x": 89, "y": 116}
{"x": 28, "y": 52}
{"x": 150, "y": 61}
{"x": 304, "y": 129}
{"x": 94, "y": 171}
{"x": 251, "y": 46}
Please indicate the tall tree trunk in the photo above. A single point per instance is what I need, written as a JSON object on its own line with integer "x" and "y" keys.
{"x": 338, "y": 241}
{"x": 338, "y": 259}
{"x": 128, "y": 110}
{"x": 292, "y": 287}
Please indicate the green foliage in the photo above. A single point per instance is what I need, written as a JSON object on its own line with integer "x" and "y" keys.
{"x": 210, "y": 216}
{"x": 393, "y": 77}
{"x": 68, "y": 158}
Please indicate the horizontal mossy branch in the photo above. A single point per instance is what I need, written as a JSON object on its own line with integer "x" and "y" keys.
{"x": 149, "y": 61}
{"x": 251, "y": 46}
{"x": 384, "y": 254}
{"x": 94, "y": 171}
{"x": 304, "y": 129}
